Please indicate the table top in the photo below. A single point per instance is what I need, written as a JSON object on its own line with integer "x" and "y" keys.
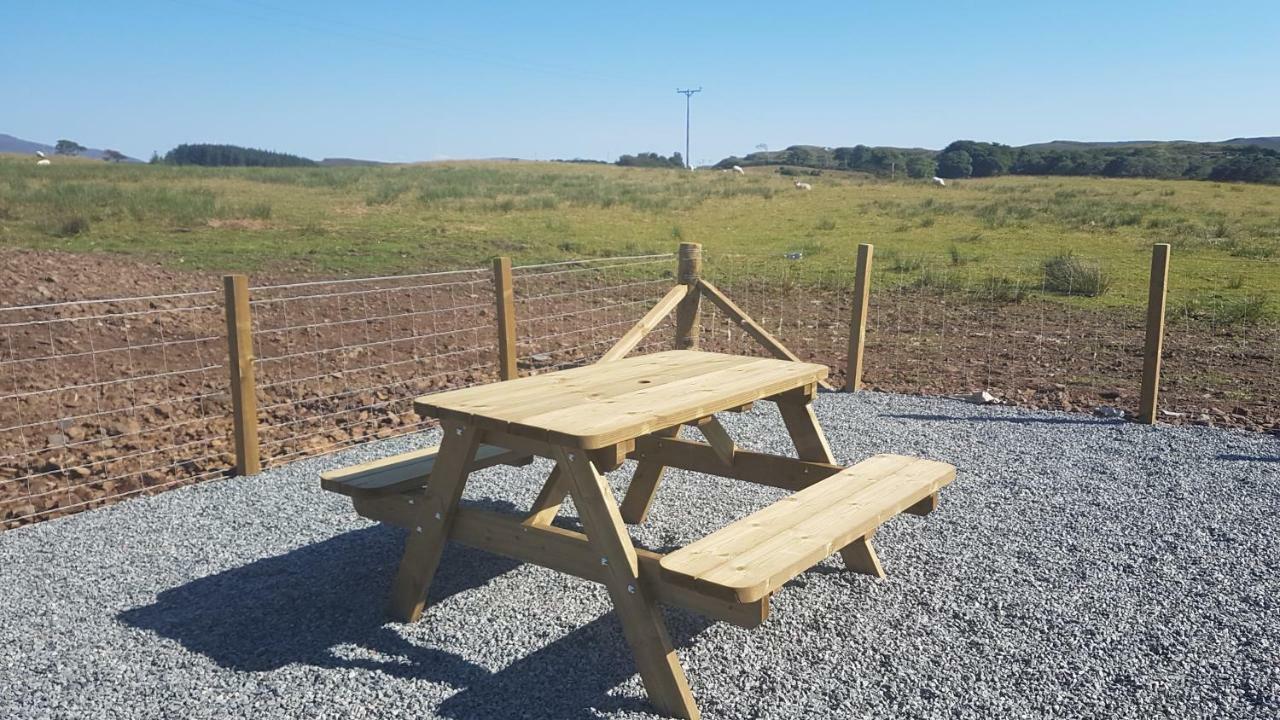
{"x": 598, "y": 405}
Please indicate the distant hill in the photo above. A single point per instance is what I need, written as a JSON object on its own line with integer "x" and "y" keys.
{"x": 1271, "y": 143}
{"x": 352, "y": 162}
{"x": 11, "y": 144}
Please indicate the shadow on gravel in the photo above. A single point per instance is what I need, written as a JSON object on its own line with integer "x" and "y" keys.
{"x": 298, "y": 607}
{"x": 1248, "y": 458}
{"x": 307, "y": 605}
{"x": 996, "y": 418}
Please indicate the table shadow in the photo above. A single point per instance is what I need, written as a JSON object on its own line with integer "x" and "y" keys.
{"x": 1014, "y": 420}
{"x": 314, "y": 605}
{"x": 1248, "y": 458}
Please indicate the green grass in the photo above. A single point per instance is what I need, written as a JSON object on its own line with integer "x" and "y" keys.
{"x": 992, "y": 235}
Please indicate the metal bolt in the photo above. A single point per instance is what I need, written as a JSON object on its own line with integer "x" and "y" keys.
{"x": 631, "y": 589}
{"x": 457, "y": 431}
{"x": 410, "y": 501}
{"x": 571, "y": 456}
{"x": 604, "y": 561}
{"x": 437, "y": 516}
{"x": 419, "y": 528}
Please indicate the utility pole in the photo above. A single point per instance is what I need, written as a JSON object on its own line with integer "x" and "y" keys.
{"x": 688, "y": 94}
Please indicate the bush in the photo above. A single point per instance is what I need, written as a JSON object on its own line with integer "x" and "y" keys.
{"x": 1069, "y": 275}
{"x": 72, "y": 226}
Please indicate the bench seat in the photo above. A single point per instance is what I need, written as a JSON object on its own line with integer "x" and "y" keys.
{"x": 406, "y": 471}
{"x": 756, "y": 555}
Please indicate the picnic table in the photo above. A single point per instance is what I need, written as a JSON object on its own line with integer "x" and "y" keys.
{"x": 590, "y": 420}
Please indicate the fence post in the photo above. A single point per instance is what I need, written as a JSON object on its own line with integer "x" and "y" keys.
{"x": 244, "y": 400}
{"x": 858, "y": 324}
{"x": 1155, "y": 333}
{"x": 504, "y": 294}
{"x": 689, "y": 311}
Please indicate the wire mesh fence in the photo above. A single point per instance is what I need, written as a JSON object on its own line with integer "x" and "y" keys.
{"x": 108, "y": 399}
{"x": 340, "y": 362}
{"x": 570, "y": 313}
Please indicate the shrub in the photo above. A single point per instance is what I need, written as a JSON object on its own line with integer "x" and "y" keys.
{"x": 999, "y": 288}
{"x": 72, "y": 226}
{"x": 1069, "y": 275}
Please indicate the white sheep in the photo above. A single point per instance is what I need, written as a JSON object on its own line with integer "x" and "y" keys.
{"x": 40, "y": 154}
{"x": 803, "y": 185}
{"x": 43, "y": 161}
{"x": 739, "y": 170}
{"x": 939, "y": 181}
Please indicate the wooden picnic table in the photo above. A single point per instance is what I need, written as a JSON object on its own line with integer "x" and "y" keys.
{"x": 591, "y": 419}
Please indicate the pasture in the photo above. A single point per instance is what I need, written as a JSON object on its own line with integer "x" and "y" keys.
{"x": 331, "y": 221}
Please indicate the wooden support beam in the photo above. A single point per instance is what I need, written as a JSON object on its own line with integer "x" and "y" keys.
{"x": 752, "y": 467}
{"x": 718, "y": 437}
{"x": 858, "y": 324}
{"x": 924, "y": 507}
{"x": 561, "y": 550}
{"x": 689, "y": 311}
{"x": 504, "y": 295}
{"x": 550, "y": 498}
{"x": 811, "y": 443}
{"x": 749, "y": 325}
{"x": 651, "y": 319}
{"x": 244, "y": 400}
{"x": 644, "y": 484}
{"x": 1156, "y": 293}
{"x": 860, "y": 557}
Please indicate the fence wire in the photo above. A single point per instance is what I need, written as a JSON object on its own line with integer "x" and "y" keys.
{"x": 340, "y": 362}
{"x": 571, "y": 313}
{"x": 107, "y": 399}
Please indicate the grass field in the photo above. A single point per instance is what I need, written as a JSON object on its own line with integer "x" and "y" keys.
{"x": 353, "y": 221}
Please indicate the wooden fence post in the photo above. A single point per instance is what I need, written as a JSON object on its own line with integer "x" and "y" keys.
{"x": 1155, "y": 333}
{"x": 504, "y": 294}
{"x": 244, "y": 400}
{"x": 858, "y": 324}
{"x": 689, "y": 311}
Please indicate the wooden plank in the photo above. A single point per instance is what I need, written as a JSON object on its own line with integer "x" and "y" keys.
{"x": 407, "y": 470}
{"x": 244, "y": 400}
{"x": 644, "y": 484}
{"x": 646, "y": 325}
{"x": 547, "y": 505}
{"x": 642, "y": 622}
{"x": 754, "y": 556}
{"x": 504, "y": 296}
{"x": 858, "y": 324}
{"x": 806, "y": 433}
{"x": 752, "y": 467}
{"x": 753, "y": 328}
{"x": 718, "y": 438}
{"x": 1156, "y": 294}
{"x": 689, "y": 311}
{"x": 860, "y": 557}
{"x": 433, "y": 518}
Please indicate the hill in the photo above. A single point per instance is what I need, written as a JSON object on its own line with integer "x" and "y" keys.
{"x": 11, "y": 144}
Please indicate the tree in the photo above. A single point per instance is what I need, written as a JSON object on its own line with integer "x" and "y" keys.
{"x": 955, "y": 164}
{"x": 69, "y": 147}
{"x": 113, "y": 155}
{"x": 921, "y": 166}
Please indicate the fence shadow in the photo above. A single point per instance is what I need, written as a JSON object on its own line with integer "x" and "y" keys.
{"x": 997, "y": 418}
{"x": 324, "y": 605}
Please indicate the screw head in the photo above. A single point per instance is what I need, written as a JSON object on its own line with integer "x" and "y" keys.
{"x": 631, "y": 589}
{"x": 419, "y": 528}
{"x": 604, "y": 561}
{"x": 438, "y": 516}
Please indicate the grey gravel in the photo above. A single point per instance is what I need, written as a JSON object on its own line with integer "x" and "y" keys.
{"x": 1078, "y": 567}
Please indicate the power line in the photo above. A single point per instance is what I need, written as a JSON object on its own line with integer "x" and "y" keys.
{"x": 688, "y": 95}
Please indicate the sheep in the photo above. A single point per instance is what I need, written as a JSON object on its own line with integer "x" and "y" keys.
{"x": 939, "y": 181}
{"x": 40, "y": 154}
{"x": 803, "y": 186}
{"x": 43, "y": 161}
{"x": 739, "y": 170}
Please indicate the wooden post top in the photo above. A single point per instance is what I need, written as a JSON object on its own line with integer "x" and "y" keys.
{"x": 601, "y": 405}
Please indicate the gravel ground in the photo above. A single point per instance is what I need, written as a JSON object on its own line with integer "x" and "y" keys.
{"x": 1076, "y": 568}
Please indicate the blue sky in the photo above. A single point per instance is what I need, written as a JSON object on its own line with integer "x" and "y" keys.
{"x": 420, "y": 81}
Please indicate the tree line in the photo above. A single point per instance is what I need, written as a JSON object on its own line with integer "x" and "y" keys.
{"x": 229, "y": 156}
{"x": 967, "y": 158}
{"x": 651, "y": 159}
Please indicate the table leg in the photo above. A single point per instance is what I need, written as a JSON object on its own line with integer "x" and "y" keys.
{"x": 644, "y": 485}
{"x": 430, "y": 531}
{"x": 642, "y": 621}
{"x": 860, "y": 557}
{"x": 552, "y": 496}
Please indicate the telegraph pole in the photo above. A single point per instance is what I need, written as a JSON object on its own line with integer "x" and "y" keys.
{"x": 688, "y": 94}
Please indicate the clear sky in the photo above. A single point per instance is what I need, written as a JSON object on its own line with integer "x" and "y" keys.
{"x": 429, "y": 80}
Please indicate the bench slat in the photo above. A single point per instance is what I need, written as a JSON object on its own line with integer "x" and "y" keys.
{"x": 405, "y": 471}
{"x": 757, "y": 554}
